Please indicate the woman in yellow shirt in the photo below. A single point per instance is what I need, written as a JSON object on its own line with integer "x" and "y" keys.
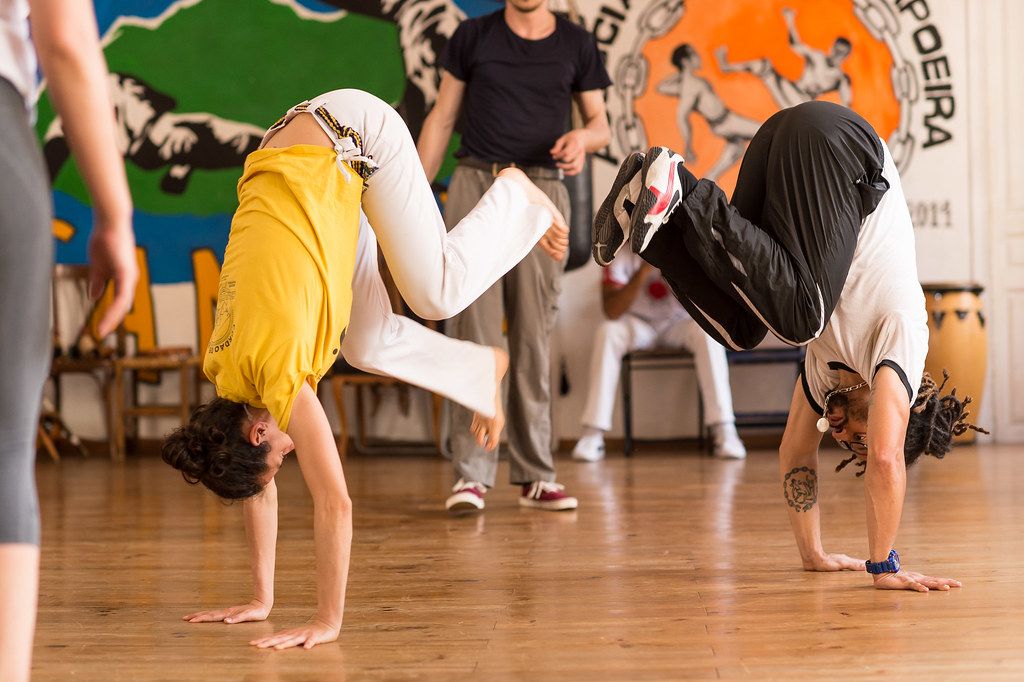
{"x": 299, "y": 284}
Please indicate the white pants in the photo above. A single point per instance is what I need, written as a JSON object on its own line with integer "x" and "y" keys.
{"x": 438, "y": 272}
{"x": 615, "y": 338}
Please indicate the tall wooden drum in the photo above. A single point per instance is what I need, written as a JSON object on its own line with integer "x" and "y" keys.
{"x": 957, "y": 340}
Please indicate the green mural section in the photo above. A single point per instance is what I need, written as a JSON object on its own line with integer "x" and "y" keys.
{"x": 247, "y": 62}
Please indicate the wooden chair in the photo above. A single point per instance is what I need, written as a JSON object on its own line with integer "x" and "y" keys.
{"x": 342, "y": 375}
{"x": 682, "y": 359}
{"x": 127, "y": 406}
{"x": 71, "y": 308}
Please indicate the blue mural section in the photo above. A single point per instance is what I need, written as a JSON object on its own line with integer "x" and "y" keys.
{"x": 169, "y": 239}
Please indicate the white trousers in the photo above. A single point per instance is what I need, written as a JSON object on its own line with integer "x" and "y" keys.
{"x": 379, "y": 341}
{"x": 615, "y": 338}
{"x": 438, "y": 272}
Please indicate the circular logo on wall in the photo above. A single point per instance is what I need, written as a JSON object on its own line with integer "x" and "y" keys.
{"x": 700, "y": 76}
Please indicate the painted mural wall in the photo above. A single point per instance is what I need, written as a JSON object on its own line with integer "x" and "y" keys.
{"x": 196, "y": 81}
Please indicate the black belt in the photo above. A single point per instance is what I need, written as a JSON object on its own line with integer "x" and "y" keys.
{"x": 534, "y": 172}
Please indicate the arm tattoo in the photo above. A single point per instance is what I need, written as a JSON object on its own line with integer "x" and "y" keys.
{"x": 801, "y": 488}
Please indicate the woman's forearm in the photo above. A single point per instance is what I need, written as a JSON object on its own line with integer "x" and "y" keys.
{"x": 332, "y": 532}
{"x": 260, "y": 514}
{"x": 70, "y": 56}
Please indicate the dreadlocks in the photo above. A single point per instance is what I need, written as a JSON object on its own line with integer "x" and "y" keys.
{"x": 935, "y": 420}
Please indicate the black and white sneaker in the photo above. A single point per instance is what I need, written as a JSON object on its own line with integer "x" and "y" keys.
{"x": 611, "y": 225}
{"x": 661, "y": 193}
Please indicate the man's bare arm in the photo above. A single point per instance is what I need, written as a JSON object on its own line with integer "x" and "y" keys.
{"x": 617, "y": 299}
{"x": 439, "y": 124}
{"x": 798, "y": 467}
{"x": 570, "y": 150}
{"x": 886, "y": 481}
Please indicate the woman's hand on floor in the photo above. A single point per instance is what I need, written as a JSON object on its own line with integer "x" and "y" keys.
{"x": 246, "y": 613}
{"x": 308, "y": 636}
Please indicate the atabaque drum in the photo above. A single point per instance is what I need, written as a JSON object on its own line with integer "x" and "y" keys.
{"x": 957, "y": 341}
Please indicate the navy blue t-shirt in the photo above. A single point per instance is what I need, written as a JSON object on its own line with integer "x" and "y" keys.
{"x": 519, "y": 92}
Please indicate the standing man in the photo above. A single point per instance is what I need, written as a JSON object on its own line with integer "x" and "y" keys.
{"x": 642, "y": 313}
{"x": 513, "y": 75}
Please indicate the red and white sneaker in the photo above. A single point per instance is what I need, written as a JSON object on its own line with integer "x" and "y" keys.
{"x": 547, "y": 496}
{"x": 660, "y": 195}
{"x": 468, "y": 496}
{"x": 612, "y": 221}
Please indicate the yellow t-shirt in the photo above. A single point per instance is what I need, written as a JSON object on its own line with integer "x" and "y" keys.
{"x": 286, "y": 283}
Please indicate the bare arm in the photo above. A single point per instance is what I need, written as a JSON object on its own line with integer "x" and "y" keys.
{"x": 794, "y": 39}
{"x": 439, "y": 124}
{"x": 260, "y": 516}
{"x": 798, "y": 467}
{"x": 886, "y": 477}
{"x": 67, "y": 40}
{"x": 332, "y": 523}
{"x": 616, "y": 300}
{"x": 886, "y": 481}
{"x": 670, "y": 86}
{"x": 570, "y": 150}
{"x": 845, "y": 93}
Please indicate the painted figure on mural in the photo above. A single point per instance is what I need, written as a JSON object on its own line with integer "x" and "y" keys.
{"x": 697, "y": 95}
{"x": 822, "y": 73}
{"x": 151, "y": 135}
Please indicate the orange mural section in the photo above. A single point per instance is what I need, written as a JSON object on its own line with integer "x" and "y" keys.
{"x": 207, "y": 279}
{"x": 741, "y": 67}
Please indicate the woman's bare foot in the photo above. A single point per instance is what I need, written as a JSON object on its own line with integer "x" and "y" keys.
{"x": 555, "y": 241}
{"x": 487, "y": 430}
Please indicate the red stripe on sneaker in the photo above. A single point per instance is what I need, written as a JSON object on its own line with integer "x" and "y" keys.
{"x": 663, "y": 199}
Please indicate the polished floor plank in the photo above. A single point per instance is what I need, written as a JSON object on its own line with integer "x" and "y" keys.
{"x": 675, "y": 567}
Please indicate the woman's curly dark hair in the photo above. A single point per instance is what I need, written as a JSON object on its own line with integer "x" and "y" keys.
{"x": 213, "y": 450}
{"x": 934, "y": 422}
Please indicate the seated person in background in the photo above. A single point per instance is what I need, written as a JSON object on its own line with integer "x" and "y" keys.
{"x": 642, "y": 313}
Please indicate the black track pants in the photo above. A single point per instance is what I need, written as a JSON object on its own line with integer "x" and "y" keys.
{"x": 777, "y": 257}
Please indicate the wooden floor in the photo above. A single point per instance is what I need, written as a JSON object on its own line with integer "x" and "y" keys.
{"x": 674, "y": 567}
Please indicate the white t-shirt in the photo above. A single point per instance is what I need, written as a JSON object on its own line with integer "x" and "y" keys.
{"x": 880, "y": 318}
{"x": 17, "y": 56}
{"x": 655, "y": 304}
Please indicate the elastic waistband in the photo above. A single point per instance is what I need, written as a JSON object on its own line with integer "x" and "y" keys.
{"x": 534, "y": 172}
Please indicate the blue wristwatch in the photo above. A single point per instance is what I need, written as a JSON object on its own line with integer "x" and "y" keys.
{"x": 890, "y": 565}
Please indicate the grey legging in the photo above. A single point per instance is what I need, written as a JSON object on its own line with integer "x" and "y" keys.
{"x": 26, "y": 254}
